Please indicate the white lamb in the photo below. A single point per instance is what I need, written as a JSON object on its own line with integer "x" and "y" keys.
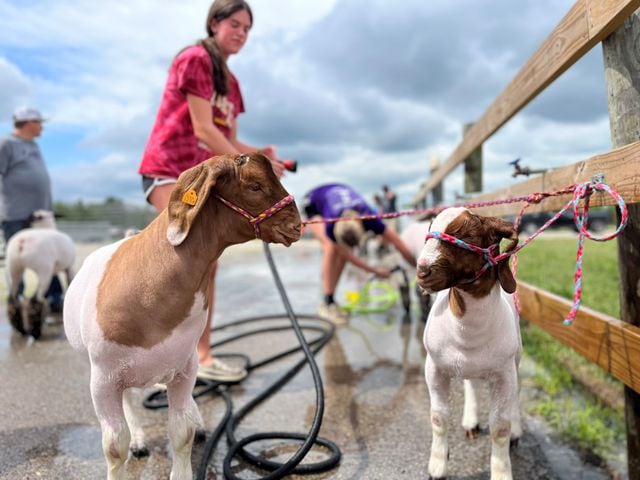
{"x": 46, "y": 251}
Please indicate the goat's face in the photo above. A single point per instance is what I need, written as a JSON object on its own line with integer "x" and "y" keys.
{"x": 443, "y": 265}
{"x": 247, "y": 181}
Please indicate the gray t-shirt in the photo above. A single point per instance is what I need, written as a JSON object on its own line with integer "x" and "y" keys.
{"x": 26, "y": 185}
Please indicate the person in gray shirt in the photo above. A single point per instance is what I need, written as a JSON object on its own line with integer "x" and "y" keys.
{"x": 26, "y": 185}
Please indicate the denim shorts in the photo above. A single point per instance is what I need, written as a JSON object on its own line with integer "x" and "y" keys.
{"x": 149, "y": 183}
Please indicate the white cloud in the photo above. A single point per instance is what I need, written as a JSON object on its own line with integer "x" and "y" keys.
{"x": 14, "y": 87}
{"x": 110, "y": 176}
{"x": 363, "y": 92}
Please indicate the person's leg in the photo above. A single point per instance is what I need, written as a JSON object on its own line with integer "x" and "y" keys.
{"x": 330, "y": 270}
{"x": 9, "y": 229}
{"x": 159, "y": 196}
{"x": 54, "y": 295}
{"x": 332, "y": 267}
{"x": 209, "y": 367}
{"x": 204, "y": 344}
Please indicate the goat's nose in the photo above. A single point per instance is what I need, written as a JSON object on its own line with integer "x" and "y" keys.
{"x": 423, "y": 269}
{"x": 295, "y": 227}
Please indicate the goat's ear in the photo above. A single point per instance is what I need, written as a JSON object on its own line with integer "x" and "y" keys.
{"x": 504, "y": 229}
{"x": 189, "y": 196}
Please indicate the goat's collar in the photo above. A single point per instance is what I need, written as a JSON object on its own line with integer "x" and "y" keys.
{"x": 260, "y": 217}
{"x": 491, "y": 254}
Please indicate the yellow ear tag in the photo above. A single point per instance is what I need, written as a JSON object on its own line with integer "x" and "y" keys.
{"x": 190, "y": 197}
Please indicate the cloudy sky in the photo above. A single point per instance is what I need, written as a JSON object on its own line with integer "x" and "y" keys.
{"x": 361, "y": 91}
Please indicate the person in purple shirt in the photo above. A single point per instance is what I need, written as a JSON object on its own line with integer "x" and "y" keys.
{"x": 339, "y": 238}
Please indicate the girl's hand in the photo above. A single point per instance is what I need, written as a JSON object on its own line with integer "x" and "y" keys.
{"x": 382, "y": 272}
{"x": 270, "y": 152}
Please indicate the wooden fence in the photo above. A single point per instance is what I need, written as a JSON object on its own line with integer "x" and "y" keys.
{"x": 611, "y": 343}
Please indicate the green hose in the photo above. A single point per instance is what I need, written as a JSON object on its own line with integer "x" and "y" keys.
{"x": 375, "y": 296}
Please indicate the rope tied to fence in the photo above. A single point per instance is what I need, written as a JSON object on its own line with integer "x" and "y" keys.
{"x": 580, "y": 204}
{"x": 581, "y": 193}
{"x": 529, "y": 199}
{"x": 580, "y": 218}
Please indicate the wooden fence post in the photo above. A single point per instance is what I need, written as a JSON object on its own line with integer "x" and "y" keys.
{"x": 622, "y": 72}
{"x": 436, "y": 193}
{"x": 473, "y": 168}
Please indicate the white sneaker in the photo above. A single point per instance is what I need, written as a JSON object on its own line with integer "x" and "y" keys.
{"x": 333, "y": 313}
{"x": 219, "y": 371}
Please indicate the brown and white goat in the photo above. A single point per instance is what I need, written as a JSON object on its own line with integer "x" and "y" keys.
{"x": 139, "y": 306}
{"x": 472, "y": 332}
{"x": 45, "y": 251}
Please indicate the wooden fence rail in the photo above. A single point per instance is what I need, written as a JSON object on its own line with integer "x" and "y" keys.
{"x": 587, "y": 23}
{"x": 608, "y": 342}
{"x": 620, "y": 167}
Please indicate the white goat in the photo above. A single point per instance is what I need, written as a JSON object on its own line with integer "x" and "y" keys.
{"x": 472, "y": 332}
{"x": 46, "y": 251}
{"x": 138, "y": 306}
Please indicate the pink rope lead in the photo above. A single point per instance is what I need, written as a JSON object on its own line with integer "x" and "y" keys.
{"x": 580, "y": 216}
{"x": 529, "y": 199}
{"x": 261, "y": 216}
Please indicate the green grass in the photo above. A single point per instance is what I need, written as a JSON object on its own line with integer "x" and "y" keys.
{"x": 593, "y": 427}
{"x": 550, "y": 264}
{"x": 568, "y": 406}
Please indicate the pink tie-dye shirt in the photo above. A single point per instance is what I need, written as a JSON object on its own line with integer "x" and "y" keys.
{"x": 172, "y": 146}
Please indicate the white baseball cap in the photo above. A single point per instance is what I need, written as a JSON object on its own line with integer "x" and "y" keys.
{"x": 26, "y": 114}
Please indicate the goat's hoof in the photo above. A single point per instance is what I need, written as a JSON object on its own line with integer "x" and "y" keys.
{"x": 473, "y": 433}
{"x": 514, "y": 442}
{"x": 36, "y": 332}
{"x": 17, "y": 325}
{"x": 200, "y": 436}
{"x": 18, "y": 328}
{"x": 437, "y": 478}
{"x": 140, "y": 452}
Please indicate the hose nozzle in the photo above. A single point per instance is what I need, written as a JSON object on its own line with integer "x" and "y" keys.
{"x": 290, "y": 165}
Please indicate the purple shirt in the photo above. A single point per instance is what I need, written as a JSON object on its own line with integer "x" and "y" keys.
{"x": 329, "y": 201}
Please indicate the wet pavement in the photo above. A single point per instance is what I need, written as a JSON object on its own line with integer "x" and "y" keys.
{"x": 376, "y": 410}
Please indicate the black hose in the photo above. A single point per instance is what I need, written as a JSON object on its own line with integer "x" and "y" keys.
{"x": 230, "y": 421}
{"x": 278, "y": 469}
